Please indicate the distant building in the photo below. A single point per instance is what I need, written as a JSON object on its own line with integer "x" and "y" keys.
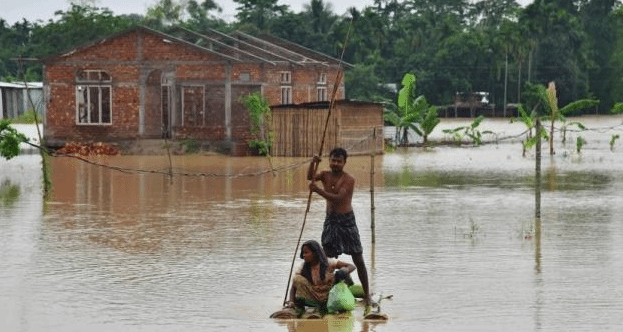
{"x": 356, "y": 126}
{"x": 145, "y": 84}
{"x": 14, "y": 99}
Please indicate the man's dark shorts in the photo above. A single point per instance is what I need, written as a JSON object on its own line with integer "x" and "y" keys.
{"x": 340, "y": 235}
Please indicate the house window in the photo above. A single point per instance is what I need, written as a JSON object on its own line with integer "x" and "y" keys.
{"x": 93, "y": 97}
{"x": 286, "y": 88}
{"x": 322, "y": 79}
{"x": 286, "y": 77}
{"x": 322, "y": 94}
{"x": 286, "y": 95}
{"x": 245, "y": 76}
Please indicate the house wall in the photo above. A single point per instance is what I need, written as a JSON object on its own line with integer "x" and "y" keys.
{"x": 204, "y": 90}
{"x": 304, "y": 84}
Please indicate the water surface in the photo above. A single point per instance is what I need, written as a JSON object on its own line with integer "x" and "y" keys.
{"x": 457, "y": 244}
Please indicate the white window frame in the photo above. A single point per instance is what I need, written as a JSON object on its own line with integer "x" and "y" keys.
{"x": 322, "y": 79}
{"x": 286, "y": 77}
{"x": 286, "y": 95}
{"x": 91, "y": 85}
{"x": 322, "y": 93}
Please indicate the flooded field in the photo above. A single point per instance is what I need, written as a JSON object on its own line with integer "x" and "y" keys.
{"x": 457, "y": 244}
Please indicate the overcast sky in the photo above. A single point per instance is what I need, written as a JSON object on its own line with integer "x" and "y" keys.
{"x": 14, "y": 10}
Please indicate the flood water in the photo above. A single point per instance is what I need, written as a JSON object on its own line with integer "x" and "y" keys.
{"x": 457, "y": 244}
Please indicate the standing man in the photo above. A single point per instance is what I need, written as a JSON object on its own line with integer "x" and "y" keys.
{"x": 340, "y": 233}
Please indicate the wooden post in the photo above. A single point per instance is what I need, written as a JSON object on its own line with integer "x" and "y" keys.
{"x": 43, "y": 153}
{"x": 372, "y": 226}
{"x": 537, "y": 172}
{"x": 537, "y": 199}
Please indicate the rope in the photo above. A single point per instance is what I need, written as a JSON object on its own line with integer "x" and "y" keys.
{"x": 185, "y": 173}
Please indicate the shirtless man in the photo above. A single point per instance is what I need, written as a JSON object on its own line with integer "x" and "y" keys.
{"x": 340, "y": 233}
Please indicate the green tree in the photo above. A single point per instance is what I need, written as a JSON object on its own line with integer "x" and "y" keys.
{"x": 600, "y": 22}
{"x": 259, "y": 13}
{"x": 563, "y": 52}
{"x": 165, "y": 13}
{"x": 10, "y": 139}
{"x": 201, "y": 15}
{"x": 77, "y": 26}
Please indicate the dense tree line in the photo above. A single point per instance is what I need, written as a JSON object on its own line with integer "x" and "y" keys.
{"x": 450, "y": 45}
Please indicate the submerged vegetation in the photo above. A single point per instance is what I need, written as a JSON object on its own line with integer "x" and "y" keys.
{"x": 9, "y": 193}
{"x": 471, "y": 131}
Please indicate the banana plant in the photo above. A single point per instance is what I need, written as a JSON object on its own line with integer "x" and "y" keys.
{"x": 549, "y": 96}
{"x": 412, "y": 113}
{"x": 470, "y": 131}
{"x": 429, "y": 121}
{"x": 529, "y": 120}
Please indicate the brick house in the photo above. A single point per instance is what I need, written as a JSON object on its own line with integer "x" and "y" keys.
{"x": 145, "y": 84}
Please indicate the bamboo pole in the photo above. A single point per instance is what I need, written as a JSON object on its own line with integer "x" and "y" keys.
{"x": 537, "y": 172}
{"x": 336, "y": 86}
{"x": 372, "y": 207}
{"x": 44, "y": 165}
{"x": 537, "y": 199}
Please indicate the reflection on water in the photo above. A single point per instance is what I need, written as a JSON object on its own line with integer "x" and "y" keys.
{"x": 9, "y": 193}
{"x": 211, "y": 249}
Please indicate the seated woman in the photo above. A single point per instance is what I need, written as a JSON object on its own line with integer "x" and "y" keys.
{"x": 313, "y": 281}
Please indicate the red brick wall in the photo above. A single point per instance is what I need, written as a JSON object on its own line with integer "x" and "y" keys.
{"x": 119, "y": 57}
{"x": 61, "y": 108}
{"x": 121, "y": 48}
{"x": 156, "y": 48}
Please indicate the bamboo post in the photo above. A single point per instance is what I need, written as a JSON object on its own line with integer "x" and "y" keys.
{"x": 336, "y": 86}
{"x": 372, "y": 208}
{"x": 537, "y": 199}
{"x": 44, "y": 165}
{"x": 537, "y": 176}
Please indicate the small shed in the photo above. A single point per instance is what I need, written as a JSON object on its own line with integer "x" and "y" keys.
{"x": 14, "y": 99}
{"x": 353, "y": 125}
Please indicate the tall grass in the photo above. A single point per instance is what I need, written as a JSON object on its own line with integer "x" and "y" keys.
{"x": 29, "y": 117}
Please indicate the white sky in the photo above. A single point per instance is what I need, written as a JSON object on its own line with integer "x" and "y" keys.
{"x": 14, "y": 10}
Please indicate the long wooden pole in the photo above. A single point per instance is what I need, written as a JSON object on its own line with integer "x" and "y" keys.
{"x": 338, "y": 79}
{"x": 537, "y": 171}
{"x": 372, "y": 207}
{"x": 44, "y": 164}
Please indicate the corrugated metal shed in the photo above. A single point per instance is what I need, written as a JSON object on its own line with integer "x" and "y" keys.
{"x": 14, "y": 100}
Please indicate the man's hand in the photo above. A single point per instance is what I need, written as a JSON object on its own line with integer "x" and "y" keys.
{"x": 316, "y": 159}
{"x": 313, "y": 187}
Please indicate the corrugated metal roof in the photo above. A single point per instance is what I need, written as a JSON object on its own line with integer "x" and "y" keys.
{"x": 21, "y": 85}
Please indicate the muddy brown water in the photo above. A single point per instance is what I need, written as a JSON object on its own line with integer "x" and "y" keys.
{"x": 457, "y": 244}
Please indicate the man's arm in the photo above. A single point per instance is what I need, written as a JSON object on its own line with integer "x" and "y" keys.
{"x": 313, "y": 166}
